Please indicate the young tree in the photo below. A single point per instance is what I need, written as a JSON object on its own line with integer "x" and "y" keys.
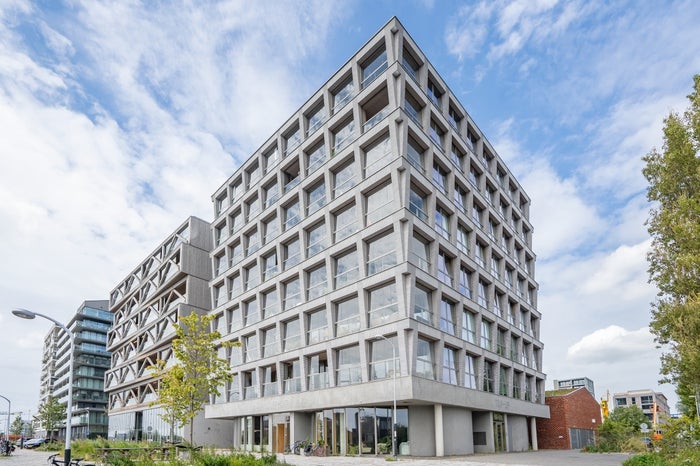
{"x": 195, "y": 373}
{"x": 622, "y": 425}
{"x": 51, "y": 413}
{"x": 674, "y": 258}
{"x": 17, "y": 424}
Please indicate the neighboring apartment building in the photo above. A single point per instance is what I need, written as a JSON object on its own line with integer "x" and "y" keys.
{"x": 652, "y": 403}
{"x": 89, "y": 326}
{"x": 378, "y": 221}
{"x": 171, "y": 281}
{"x": 578, "y": 382}
{"x": 574, "y": 417}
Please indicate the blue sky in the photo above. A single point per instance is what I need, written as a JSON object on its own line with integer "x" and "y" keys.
{"x": 120, "y": 119}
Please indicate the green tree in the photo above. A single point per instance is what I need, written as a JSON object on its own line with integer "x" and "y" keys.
{"x": 195, "y": 373}
{"x": 17, "y": 424}
{"x": 674, "y": 258}
{"x": 620, "y": 427}
{"x": 51, "y": 413}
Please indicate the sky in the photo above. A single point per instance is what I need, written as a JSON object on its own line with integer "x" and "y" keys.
{"x": 118, "y": 120}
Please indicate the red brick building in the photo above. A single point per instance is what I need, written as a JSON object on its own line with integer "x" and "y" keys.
{"x": 574, "y": 416}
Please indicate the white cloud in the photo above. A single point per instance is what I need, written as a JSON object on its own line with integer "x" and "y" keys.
{"x": 612, "y": 345}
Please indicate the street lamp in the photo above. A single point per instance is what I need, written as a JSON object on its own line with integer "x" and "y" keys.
{"x": 25, "y": 314}
{"x": 9, "y": 413}
{"x": 393, "y": 414}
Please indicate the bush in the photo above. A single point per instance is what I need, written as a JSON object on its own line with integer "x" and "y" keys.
{"x": 646, "y": 459}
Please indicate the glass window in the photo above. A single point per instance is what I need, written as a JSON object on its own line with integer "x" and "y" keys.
{"x": 373, "y": 67}
{"x": 220, "y": 264}
{"x": 344, "y": 179}
{"x": 488, "y": 377}
{"x": 349, "y": 370}
{"x": 410, "y": 64}
{"x": 318, "y": 326}
{"x": 419, "y": 252}
{"x": 271, "y": 158}
{"x": 316, "y": 198}
{"x": 343, "y": 94}
{"x": 418, "y": 204}
{"x": 379, "y": 204}
{"x": 468, "y": 327}
{"x": 474, "y": 177}
{"x": 315, "y": 158}
{"x": 481, "y": 296}
{"x": 346, "y": 223}
{"x": 501, "y": 342}
{"x": 421, "y": 305}
{"x": 291, "y": 176}
{"x": 271, "y": 229}
{"x": 514, "y": 344}
{"x": 317, "y": 239}
{"x": 292, "y": 139}
{"x": 447, "y": 316}
{"x": 292, "y": 376}
{"x": 502, "y": 382}
{"x": 252, "y": 314}
{"x": 347, "y": 317}
{"x": 460, "y": 198}
{"x": 253, "y": 207}
{"x": 384, "y": 361}
{"x": 449, "y": 365}
{"x": 292, "y": 293}
{"x": 292, "y": 215}
{"x": 270, "y": 342}
{"x": 220, "y": 234}
{"x": 292, "y": 334}
{"x": 465, "y": 280}
{"x": 219, "y": 295}
{"x": 347, "y": 269}
{"x": 237, "y": 189}
{"x": 415, "y": 154}
{"x": 413, "y": 109}
{"x": 270, "y": 302}
{"x": 253, "y": 242}
{"x": 381, "y": 254}
{"x": 463, "y": 239}
{"x": 318, "y": 372}
{"x": 453, "y": 117}
{"x": 477, "y": 214}
{"x": 252, "y": 275}
{"x": 317, "y": 283}
{"x": 250, "y": 344}
{"x": 236, "y": 253}
{"x": 343, "y": 135}
{"x": 470, "y": 371}
{"x": 486, "y": 334}
{"x": 444, "y": 269}
{"x": 292, "y": 253}
{"x": 433, "y": 93}
{"x": 383, "y": 304}
{"x": 436, "y": 134}
{"x": 442, "y": 222}
{"x": 496, "y": 266}
{"x": 269, "y": 380}
{"x": 236, "y": 221}
{"x": 497, "y": 304}
{"x": 235, "y": 286}
{"x": 480, "y": 254}
{"x": 377, "y": 155}
{"x": 425, "y": 363}
{"x": 440, "y": 178}
{"x": 516, "y": 385}
{"x": 234, "y": 318}
{"x": 316, "y": 118}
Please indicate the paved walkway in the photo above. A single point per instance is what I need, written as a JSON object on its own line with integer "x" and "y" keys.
{"x": 532, "y": 458}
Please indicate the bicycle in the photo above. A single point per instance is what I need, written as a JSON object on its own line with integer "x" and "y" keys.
{"x": 73, "y": 462}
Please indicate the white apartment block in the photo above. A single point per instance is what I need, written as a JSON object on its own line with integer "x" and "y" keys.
{"x": 650, "y": 402}
{"x": 378, "y": 221}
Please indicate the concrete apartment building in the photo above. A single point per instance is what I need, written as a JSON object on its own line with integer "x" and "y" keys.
{"x": 577, "y": 382}
{"x": 652, "y": 403}
{"x": 171, "y": 281}
{"x": 377, "y": 242}
{"x": 89, "y": 326}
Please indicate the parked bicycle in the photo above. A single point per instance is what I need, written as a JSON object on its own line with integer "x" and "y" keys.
{"x": 53, "y": 461}
{"x": 295, "y": 447}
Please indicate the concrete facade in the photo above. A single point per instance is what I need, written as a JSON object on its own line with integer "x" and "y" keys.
{"x": 653, "y": 404}
{"x": 377, "y": 245}
{"x": 574, "y": 383}
{"x": 574, "y": 418}
{"x": 172, "y": 281}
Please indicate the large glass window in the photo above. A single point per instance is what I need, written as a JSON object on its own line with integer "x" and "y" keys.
{"x": 236, "y": 253}
{"x": 449, "y": 365}
{"x": 425, "y": 363}
{"x": 252, "y": 240}
{"x": 318, "y": 371}
{"x": 444, "y": 271}
{"x": 377, "y": 155}
{"x": 318, "y": 326}
{"x": 343, "y": 94}
{"x": 292, "y": 293}
{"x": 488, "y": 385}
{"x": 292, "y": 215}
{"x": 315, "y": 158}
{"x": 347, "y": 317}
{"x": 343, "y": 135}
{"x": 460, "y": 198}
{"x": 421, "y": 304}
{"x": 481, "y": 297}
{"x": 384, "y": 359}
{"x": 270, "y": 342}
{"x": 344, "y": 179}
{"x": 271, "y": 304}
{"x": 383, "y": 304}
{"x": 463, "y": 239}
{"x": 381, "y": 254}
{"x": 269, "y": 380}
{"x": 292, "y": 334}
{"x": 346, "y": 223}
{"x": 252, "y": 313}
{"x": 502, "y": 381}
{"x": 468, "y": 327}
{"x": 316, "y": 198}
{"x": 347, "y": 269}
{"x": 271, "y": 158}
{"x": 436, "y": 134}
{"x": 252, "y": 275}
{"x": 316, "y": 118}
{"x": 413, "y": 109}
{"x": 271, "y": 229}
{"x": 253, "y": 207}
{"x": 465, "y": 282}
{"x": 470, "y": 371}
{"x": 440, "y": 178}
{"x": 317, "y": 283}
{"x": 270, "y": 265}
{"x": 373, "y": 67}
{"x": 292, "y": 376}
{"x": 457, "y": 158}
{"x": 419, "y": 252}
{"x": 442, "y": 222}
{"x": 292, "y": 253}
{"x": 349, "y": 370}
{"x": 486, "y": 334}
{"x": 317, "y": 239}
{"x": 418, "y": 204}
{"x": 447, "y": 316}
{"x": 379, "y": 204}
{"x": 250, "y": 344}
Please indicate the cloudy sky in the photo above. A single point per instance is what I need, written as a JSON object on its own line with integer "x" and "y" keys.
{"x": 120, "y": 119}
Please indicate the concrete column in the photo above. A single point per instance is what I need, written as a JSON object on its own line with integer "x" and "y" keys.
{"x": 533, "y": 432}
{"x": 439, "y": 436}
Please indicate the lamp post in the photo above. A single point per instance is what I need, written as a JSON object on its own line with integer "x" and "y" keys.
{"x": 9, "y": 413}
{"x": 25, "y": 314}
{"x": 393, "y": 414}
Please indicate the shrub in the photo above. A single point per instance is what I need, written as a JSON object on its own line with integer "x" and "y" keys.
{"x": 646, "y": 459}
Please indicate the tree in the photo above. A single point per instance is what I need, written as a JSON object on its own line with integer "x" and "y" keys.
{"x": 17, "y": 425}
{"x": 195, "y": 373}
{"x": 621, "y": 426}
{"x": 674, "y": 258}
{"x": 50, "y": 414}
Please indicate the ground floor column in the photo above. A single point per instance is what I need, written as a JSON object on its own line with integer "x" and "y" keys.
{"x": 533, "y": 432}
{"x": 439, "y": 435}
